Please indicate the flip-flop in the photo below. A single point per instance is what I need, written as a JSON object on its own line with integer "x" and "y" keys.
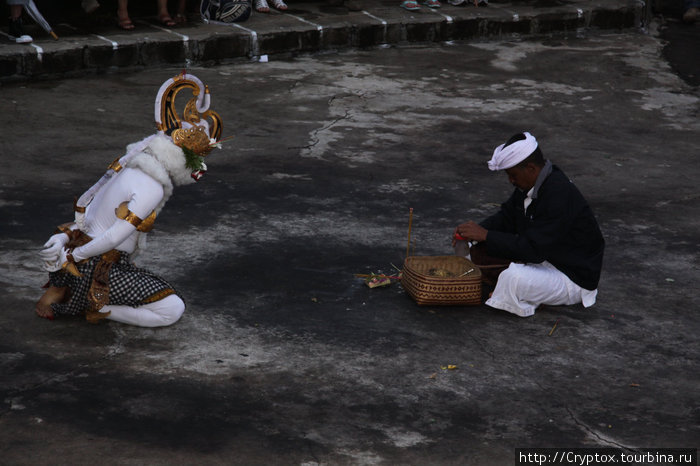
{"x": 261, "y": 6}
{"x": 410, "y": 5}
{"x": 125, "y": 24}
{"x": 279, "y": 4}
{"x": 166, "y": 21}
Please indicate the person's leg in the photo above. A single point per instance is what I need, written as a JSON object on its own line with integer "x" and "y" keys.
{"x": 523, "y": 287}
{"x": 163, "y": 15}
{"x": 123, "y": 15}
{"x": 15, "y": 12}
{"x": 161, "y": 313}
{"x": 16, "y": 28}
{"x": 181, "y": 15}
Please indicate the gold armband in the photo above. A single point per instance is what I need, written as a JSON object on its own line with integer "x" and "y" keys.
{"x": 77, "y": 208}
{"x": 144, "y": 225}
{"x": 115, "y": 165}
{"x": 64, "y": 228}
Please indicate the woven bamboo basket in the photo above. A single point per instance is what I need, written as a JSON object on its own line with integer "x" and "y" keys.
{"x": 442, "y": 281}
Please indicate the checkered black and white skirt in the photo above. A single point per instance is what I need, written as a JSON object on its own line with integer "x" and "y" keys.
{"x": 128, "y": 285}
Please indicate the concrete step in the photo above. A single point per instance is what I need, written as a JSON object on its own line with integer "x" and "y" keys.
{"x": 95, "y": 44}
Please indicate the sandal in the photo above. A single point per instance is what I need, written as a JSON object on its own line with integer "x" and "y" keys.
{"x": 180, "y": 18}
{"x": 261, "y": 6}
{"x": 166, "y": 20}
{"x": 410, "y": 5}
{"x": 432, "y": 3}
{"x": 279, "y": 4}
{"x": 125, "y": 24}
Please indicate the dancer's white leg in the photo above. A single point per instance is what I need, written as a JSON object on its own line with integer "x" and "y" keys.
{"x": 164, "y": 312}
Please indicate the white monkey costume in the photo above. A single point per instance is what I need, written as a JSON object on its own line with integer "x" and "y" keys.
{"x": 92, "y": 256}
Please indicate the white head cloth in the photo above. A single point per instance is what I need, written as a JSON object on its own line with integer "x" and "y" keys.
{"x": 508, "y": 157}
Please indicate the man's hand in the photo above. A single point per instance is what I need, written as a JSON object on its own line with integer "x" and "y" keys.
{"x": 470, "y": 231}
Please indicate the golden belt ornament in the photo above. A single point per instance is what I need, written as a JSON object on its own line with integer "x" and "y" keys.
{"x": 98, "y": 294}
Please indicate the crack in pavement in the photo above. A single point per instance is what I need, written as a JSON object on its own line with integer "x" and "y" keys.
{"x": 599, "y": 436}
{"x": 315, "y": 140}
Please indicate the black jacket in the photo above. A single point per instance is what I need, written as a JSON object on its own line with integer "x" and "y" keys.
{"x": 559, "y": 227}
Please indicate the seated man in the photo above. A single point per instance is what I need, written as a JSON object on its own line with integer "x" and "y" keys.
{"x": 545, "y": 238}
{"x": 90, "y": 260}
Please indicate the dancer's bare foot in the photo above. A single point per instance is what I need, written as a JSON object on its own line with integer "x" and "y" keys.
{"x": 52, "y": 295}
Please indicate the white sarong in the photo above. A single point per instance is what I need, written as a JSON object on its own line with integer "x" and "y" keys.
{"x": 523, "y": 287}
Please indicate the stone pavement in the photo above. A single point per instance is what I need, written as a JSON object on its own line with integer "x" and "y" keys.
{"x": 283, "y": 356}
{"x": 93, "y": 47}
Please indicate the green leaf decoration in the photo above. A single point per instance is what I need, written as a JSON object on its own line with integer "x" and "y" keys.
{"x": 192, "y": 161}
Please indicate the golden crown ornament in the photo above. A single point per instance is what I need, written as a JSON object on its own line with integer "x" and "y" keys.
{"x": 199, "y": 129}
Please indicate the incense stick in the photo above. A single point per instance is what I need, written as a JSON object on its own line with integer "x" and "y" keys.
{"x": 377, "y": 275}
{"x": 410, "y": 220}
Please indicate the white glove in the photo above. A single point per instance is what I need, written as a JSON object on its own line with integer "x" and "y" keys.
{"x": 62, "y": 263}
{"x": 52, "y": 265}
{"x": 52, "y": 248}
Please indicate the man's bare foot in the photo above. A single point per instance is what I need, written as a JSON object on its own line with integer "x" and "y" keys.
{"x": 52, "y": 295}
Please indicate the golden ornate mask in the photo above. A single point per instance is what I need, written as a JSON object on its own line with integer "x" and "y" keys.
{"x": 199, "y": 128}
